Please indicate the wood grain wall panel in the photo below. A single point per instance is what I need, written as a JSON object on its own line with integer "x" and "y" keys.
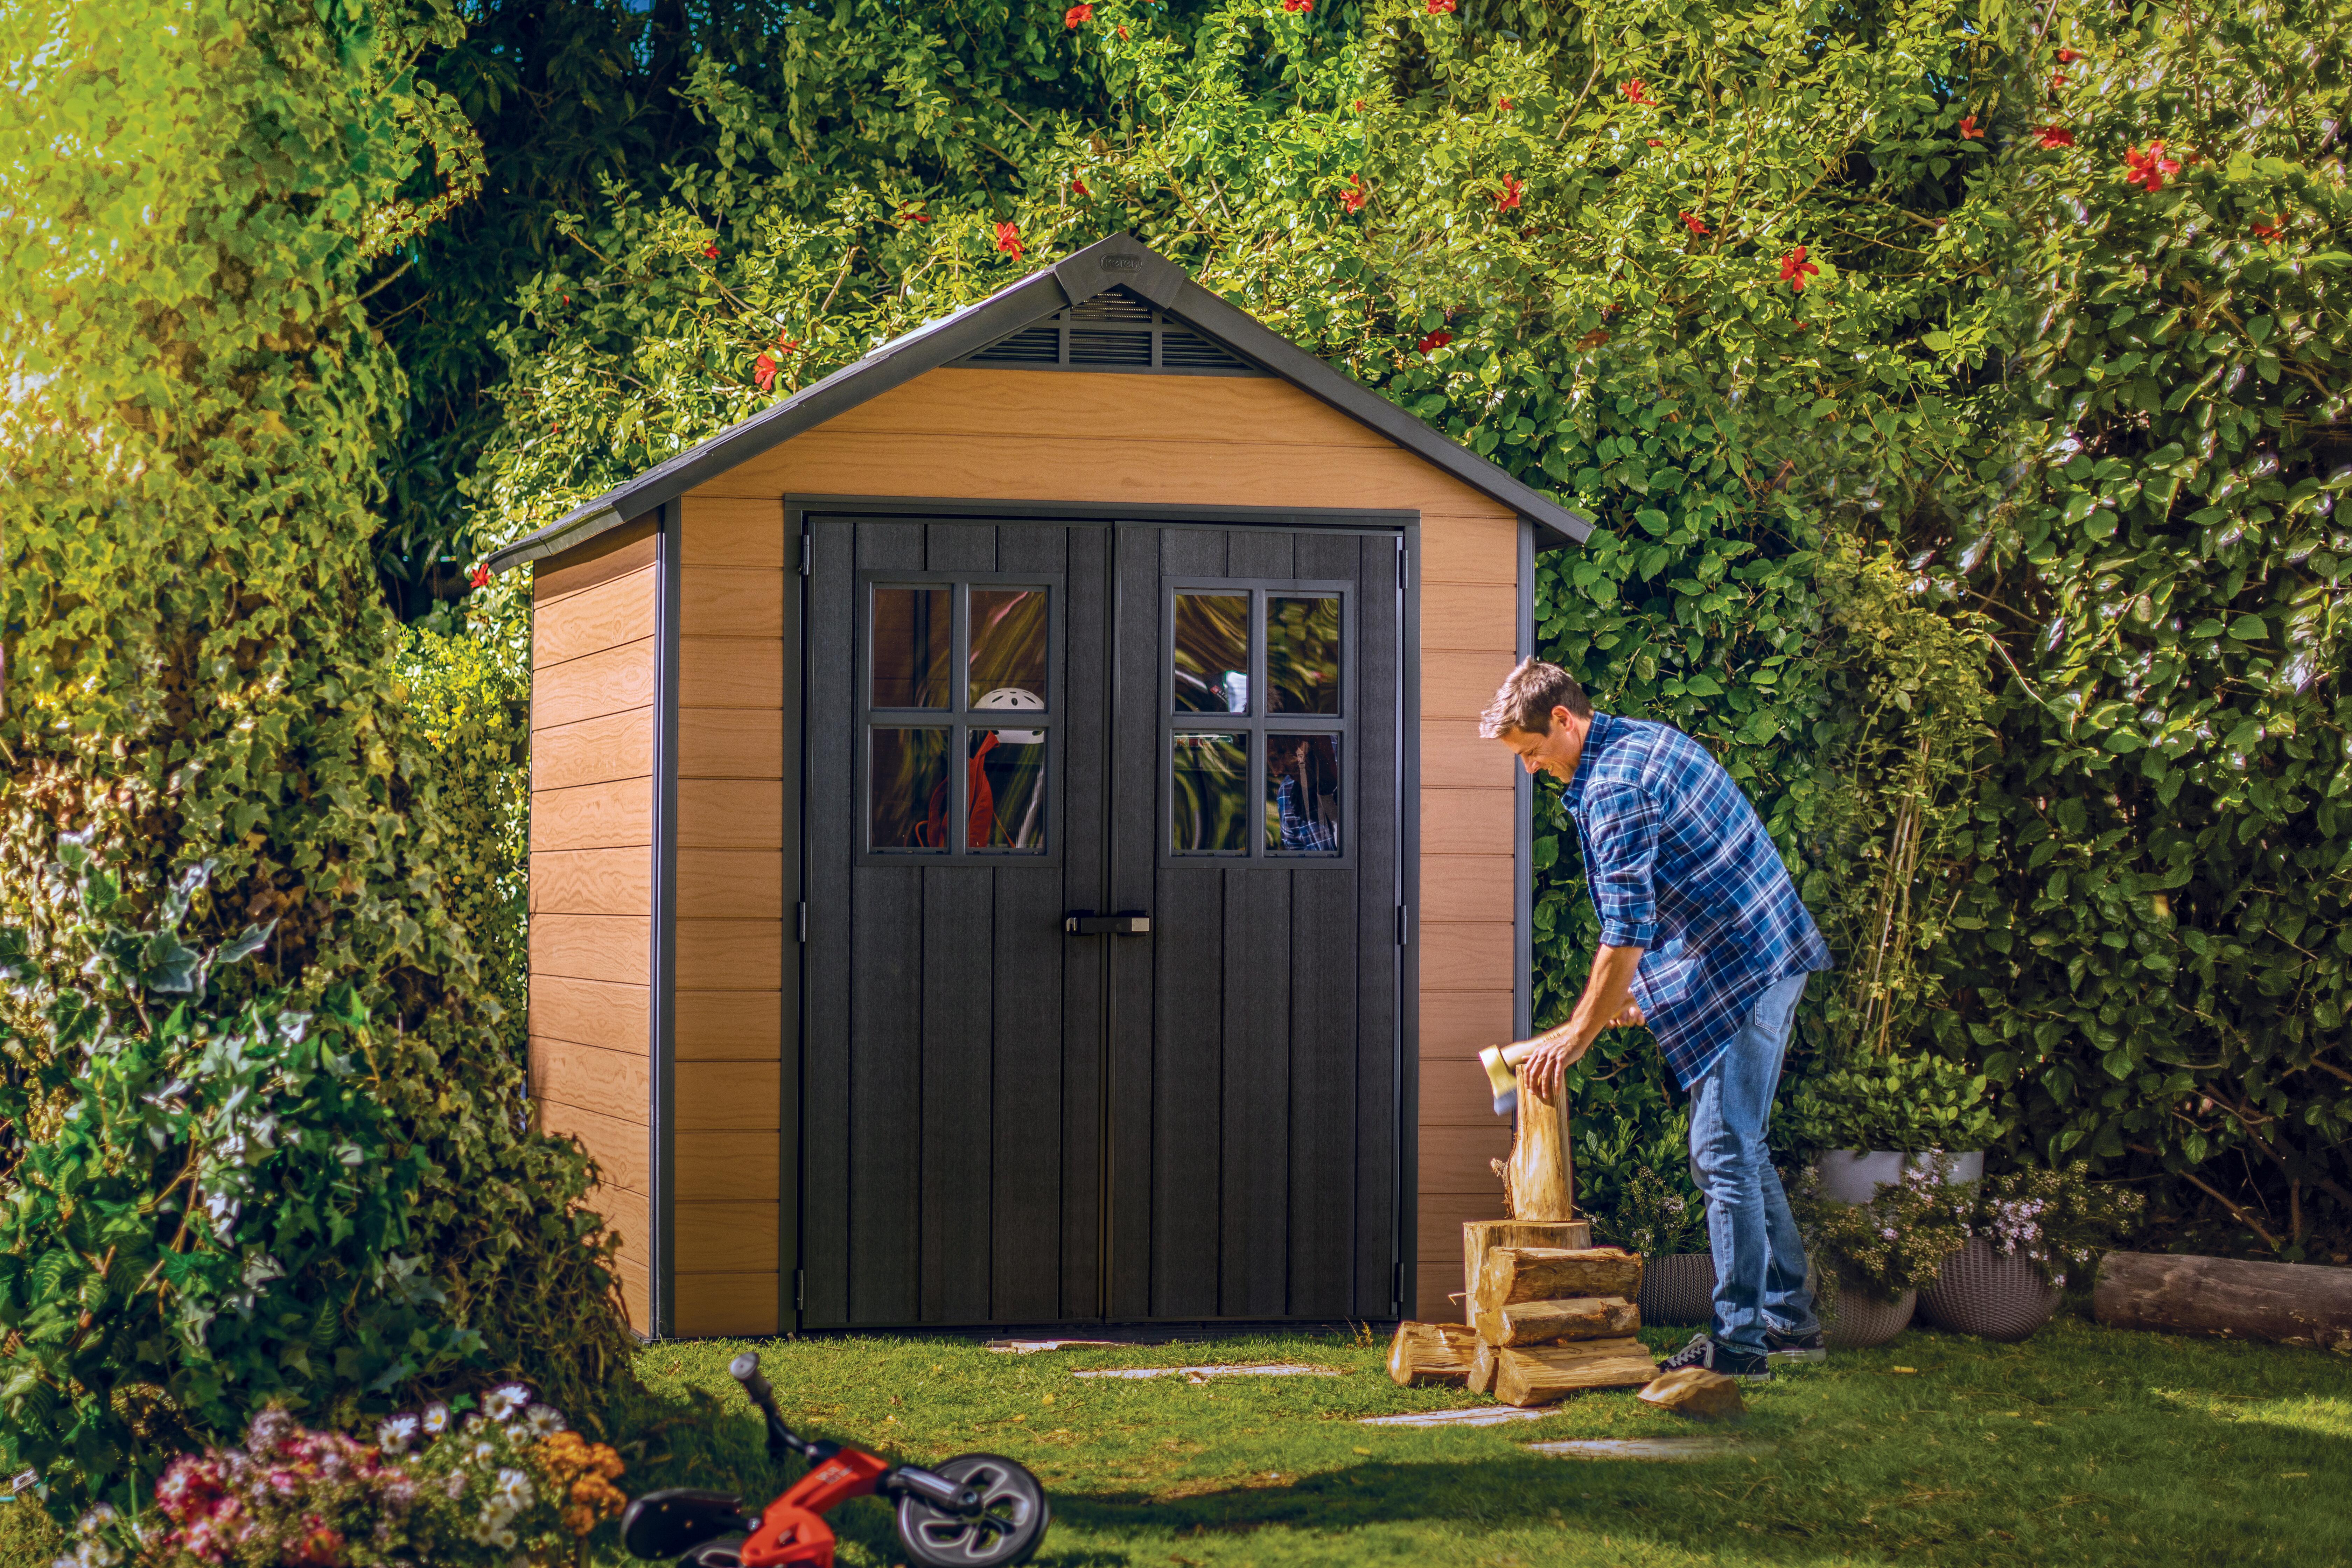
{"x": 728, "y": 1237}
{"x": 1431, "y": 1284}
{"x": 731, "y": 956}
{"x": 609, "y": 555}
{"x": 712, "y": 1166}
{"x": 1455, "y": 1157}
{"x": 600, "y": 1012}
{"x": 1462, "y": 1024}
{"x": 1455, "y": 1090}
{"x": 1466, "y": 957}
{"x": 731, "y": 672}
{"x": 742, "y": 883}
{"x": 728, "y": 1097}
{"x": 1467, "y": 822}
{"x": 729, "y": 1025}
{"x": 730, "y": 814}
{"x": 1453, "y": 757}
{"x": 1457, "y": 684}
{"x": 1466, "y": 888}
{"x": 613, "y": 681}
{"x": 592, "y": 882}
{"x": 1472, "y": 546}
{"x": 617, "y": 1146}
{"x": 594, "y": 751}
{"x": 607, "y": 615}
{"x": 590, "y": 947}
{"x": 624, "y": 1214}
{"x": 730, "y": 743}
{"x": 730, "y": 602}
{"x": 734, "y": 526}
{"x": 1484, "y": 616}
{"x": 729, "y": 1306}
{"x": 611, "y": 1083}
{"x": 637, "y": 1290}
{"x": 1015, "y": 404}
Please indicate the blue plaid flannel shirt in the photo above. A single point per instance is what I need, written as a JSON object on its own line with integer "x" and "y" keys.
{"x": 1680, "y": 865}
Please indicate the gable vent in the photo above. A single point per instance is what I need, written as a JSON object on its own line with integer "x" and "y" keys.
{"x": 1116, "y": 330}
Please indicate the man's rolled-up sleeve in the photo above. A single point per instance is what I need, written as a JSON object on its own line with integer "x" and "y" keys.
{"x": 1621, "y": 825}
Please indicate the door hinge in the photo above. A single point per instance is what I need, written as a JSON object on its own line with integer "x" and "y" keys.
{"x": 1405, "y": 925}
{"x": 808, "y": 549}
{"x": 803, "y": 919}
{"x": 800, "y": 1289}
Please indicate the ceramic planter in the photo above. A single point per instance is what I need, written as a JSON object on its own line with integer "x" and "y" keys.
{"x": 1989, "y": 1294}
{"x": 1678, "y": 1288}
{"x": 1854, "y": 1176}
{"x": 1856, "y": 1321}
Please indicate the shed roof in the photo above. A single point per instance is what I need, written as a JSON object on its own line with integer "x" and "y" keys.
{"x": 1120, "y": 261}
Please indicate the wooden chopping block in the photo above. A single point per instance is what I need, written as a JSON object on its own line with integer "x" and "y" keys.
{"x": 1547, "y": 1372}
{"x": 2287, "y": 1303}
{"x": 1480, "y": 1237}
{"x": 1514, "y": 1274}
{"x": 1695, "y": 1390}
{"x": 1426, "y": 1354}
{"x": 1548, "y": 1323}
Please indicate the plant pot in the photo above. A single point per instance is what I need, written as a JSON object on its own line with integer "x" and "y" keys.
{"x": 1678, "y": 1288}
{"x": 1854, "y": 1176}
{"x": 1989, "y": 1294}
{"x": 1856, "y": 1321}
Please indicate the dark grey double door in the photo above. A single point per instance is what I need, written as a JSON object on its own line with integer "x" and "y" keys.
{"x": 1014, "y": 732}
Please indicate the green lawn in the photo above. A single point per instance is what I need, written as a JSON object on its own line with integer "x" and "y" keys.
{"x": 2081, "y": 1445}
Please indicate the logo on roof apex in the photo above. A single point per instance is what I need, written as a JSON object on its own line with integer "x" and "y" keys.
{"x": 1120, "y": 263}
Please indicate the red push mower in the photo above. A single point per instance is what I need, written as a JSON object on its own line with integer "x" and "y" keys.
{"x": 976, "y": 1511}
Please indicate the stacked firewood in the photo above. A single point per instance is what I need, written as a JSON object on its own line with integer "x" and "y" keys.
{"x": 1545, "y": 1321}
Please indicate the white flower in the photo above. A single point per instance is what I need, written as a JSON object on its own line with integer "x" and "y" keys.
{"x": 485, "y": 1449}
{"x": 505, "y": 1400}
{"x": 394, "y": 1435}
{"x": 514, "y": 1489}
{"x": 437, "y": 1419}
{"x": 544, "y": 1420}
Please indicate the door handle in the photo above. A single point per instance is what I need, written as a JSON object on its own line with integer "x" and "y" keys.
{"x": 1085, "y": 923}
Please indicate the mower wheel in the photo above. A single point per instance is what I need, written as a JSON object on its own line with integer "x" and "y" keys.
{"x": 1007, "y": 1530}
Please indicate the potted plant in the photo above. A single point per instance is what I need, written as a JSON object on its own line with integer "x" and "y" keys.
{"x": 1872, "y": 1118}
{"x": 1872, "y": 1258}
{"x": 2027, "y": 1230}
{"x": 1666, "y": 1223}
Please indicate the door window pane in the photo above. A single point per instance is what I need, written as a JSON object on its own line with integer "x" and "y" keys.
{"x": 914, "y": 639}
{"x": 909, "y": 786}
{"x": 1302, "y": 654}
{"x": 1209, "y": 794}
{"x": 1302, "y": 794}
{"x": 1008, "y": 790}
{"x": 1008, "y": 648}
{"x": 1212, "y": 653}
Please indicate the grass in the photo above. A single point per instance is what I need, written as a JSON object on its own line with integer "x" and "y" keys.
{"x": 2083, "y": 1445}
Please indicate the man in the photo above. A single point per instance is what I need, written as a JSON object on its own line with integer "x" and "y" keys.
{"x": 1704, "y": 939}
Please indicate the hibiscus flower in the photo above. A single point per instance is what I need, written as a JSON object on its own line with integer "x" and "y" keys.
{"x": 1795, "y": 269}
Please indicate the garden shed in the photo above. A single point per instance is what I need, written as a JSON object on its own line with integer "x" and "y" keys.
{"x": 1009, "y": 843}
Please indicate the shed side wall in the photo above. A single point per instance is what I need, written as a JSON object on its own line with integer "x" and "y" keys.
{"x": 591, "y": 870}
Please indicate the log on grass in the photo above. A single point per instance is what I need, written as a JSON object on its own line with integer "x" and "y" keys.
{"x": 1547, "y": 1372}
{"x": 1514, "y": 1274}
{"x": 2287, "y": 1303}
{"x": 1424, "y": 1354}
{"x": 1480, "y": 1237}
{"x": 1484, "y": 1360}
{"x": 1549, "y": 1323}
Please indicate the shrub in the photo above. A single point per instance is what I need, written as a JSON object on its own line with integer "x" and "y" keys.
{"x": 1895, "y": 1242}
{"x": 2056, "y": 1218}
{"x": 1912, "y": 1103}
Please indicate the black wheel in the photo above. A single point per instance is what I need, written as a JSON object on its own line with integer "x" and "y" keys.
{"x": 1011, "y": 1523}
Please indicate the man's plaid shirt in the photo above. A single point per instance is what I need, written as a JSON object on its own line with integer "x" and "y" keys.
{"x": 1680, "y": 865}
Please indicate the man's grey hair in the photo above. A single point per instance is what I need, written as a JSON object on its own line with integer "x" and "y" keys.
{"x": 1527, "y": 698}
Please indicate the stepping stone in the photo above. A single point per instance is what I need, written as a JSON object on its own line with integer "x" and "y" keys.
{"x": 1641, "y": 1449}
{"x": 1030, "y": 1347}
{"x": 1476, "y": 1415}
{"x": 1201, "y": 1374}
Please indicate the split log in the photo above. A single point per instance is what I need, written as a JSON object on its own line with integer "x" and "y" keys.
{"x": 1538, "y": 1180}
{"x": 1480, "y": 1237}
{"x": 1547, "y": 1372}
{"x": 1484, "y": 1361}
{"x": 1695, "y": 1390}
{"x": 1548, "y": 1323}
{"x": 2287, "y": 1303}
{"x": 1424, "y": 1354}
{"x": 1514, "y": 1274}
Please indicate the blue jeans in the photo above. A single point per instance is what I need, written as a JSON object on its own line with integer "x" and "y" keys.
{"x": 1759, "y": 1258}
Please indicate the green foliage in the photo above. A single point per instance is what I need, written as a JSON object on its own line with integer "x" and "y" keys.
{"x": 1652, "y": 1214}
{"x": 1895, "y": 1242}
{"x": 2058, "y": 1220}
{"x": 1911, "y": 1103}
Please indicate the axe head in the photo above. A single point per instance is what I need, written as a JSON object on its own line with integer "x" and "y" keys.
{"x": 1501, "y": 1078}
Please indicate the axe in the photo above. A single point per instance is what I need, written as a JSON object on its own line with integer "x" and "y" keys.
{"x": 1502, "y": 1063}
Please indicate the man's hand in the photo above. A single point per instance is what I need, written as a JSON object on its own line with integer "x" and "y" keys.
{"x": 1549, "y": 1063}
{"x": 1629, "y": 1017}
{"x": 1607, "y": 1003}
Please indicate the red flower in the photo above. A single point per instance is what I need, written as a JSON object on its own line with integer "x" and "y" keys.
{"x": 1694, "y": 225}
{"x": 1008, "y": 240}
{"x": 1441, "y": 7}
{"x": 481, "y": 577}
{"x": 1359, "y": 106}
{"x": 1655, "y": 142}
{"x": 1122, "y": 35}
{"x": 2057, "y": 80}
{"x": 1078, "y": 15}
{"x": 711, "y": 251}
{"x": 2149, "y": 169}
{"x": 1509, "y": 197}
{"x": 1637, "y": 91}
{"x": 911, "y": 215}
{"x": 1795, "y": 269}
{"x": 2068, "y": 56}
{"x": 1440, "y": 338}
{"x": 1969, "y": 132}
{"x": 785, "y": 345}
{"x": 1507, "y": 106}
{"x": 1352, "y": 198}
{"x": 2270, "y": 231}
{"x": 1078, "y": 186}
{"x": 764, "y": 371}
{"x": 2052, "y": 135}
{"x": 1298, "y": 6}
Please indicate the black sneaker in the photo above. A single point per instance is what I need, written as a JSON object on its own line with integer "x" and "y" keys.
{"x": 1782, "y": 1345}
{"x": 1703, "y": 1351}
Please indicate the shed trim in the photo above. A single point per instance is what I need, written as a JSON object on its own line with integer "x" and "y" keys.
{"x": 1120, "y": 260}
